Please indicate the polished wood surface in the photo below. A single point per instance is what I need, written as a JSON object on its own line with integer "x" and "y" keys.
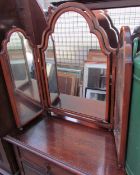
{"x": 91, "y": 151}
{"x": 32, "y": 163}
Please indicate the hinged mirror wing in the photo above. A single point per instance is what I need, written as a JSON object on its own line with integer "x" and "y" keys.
{"x": 20, "y": 67}
{"x": 123, "y": 92}
{"x": 84, "y": 62}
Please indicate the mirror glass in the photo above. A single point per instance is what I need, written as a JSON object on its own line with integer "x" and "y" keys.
{"x": 24, "y": 79}
{"x": 51, "y": 68}
{"x": 80, "y": 65}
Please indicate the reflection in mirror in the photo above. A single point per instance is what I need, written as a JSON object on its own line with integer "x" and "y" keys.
{"x": 81, "y": 66}
{"x": 50, "y": 59}
{"x": 23, "y": 73}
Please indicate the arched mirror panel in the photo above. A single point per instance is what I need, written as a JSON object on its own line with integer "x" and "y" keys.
{"x": 20, "y": 62}
{"x": 78, "y": 71}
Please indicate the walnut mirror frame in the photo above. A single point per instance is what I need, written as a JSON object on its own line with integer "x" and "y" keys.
{"x": 21, "y": 72}
{"x": 102, "y": 27}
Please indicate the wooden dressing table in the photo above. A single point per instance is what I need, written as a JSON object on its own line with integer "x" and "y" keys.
{"x": 61, "y": 147}
{"x": 74, "y": 135}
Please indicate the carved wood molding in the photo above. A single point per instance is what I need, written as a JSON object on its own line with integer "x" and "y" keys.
{"x": 91, "y": 19}
{"x": 8, "y": 35}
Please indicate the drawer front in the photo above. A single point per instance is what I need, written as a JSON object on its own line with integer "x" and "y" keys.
{"x": 40, "y": 164}
{"x": 4, "y": 164}
{"x": 31, "y": 170}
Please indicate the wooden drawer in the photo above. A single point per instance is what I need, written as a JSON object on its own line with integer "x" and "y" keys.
{"x": 29, "y": 169}
{"x": 38, "y": 165}
{"x": 4, "y": 164}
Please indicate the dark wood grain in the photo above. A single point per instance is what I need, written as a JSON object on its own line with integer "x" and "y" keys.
{"x": 106, "y": 22}
{"x": 33, "y": 163}
{"x": 91, "y": 151}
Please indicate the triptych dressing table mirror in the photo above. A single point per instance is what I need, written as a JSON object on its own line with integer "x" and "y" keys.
{"x": 73, "y": 74}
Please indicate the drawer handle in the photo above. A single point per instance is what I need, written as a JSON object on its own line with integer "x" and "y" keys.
{"x": 48, "y": 170}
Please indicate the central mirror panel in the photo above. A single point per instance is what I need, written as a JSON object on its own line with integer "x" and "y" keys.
{"x": 24, "y": 78}
{"x": 81, "y": 70}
